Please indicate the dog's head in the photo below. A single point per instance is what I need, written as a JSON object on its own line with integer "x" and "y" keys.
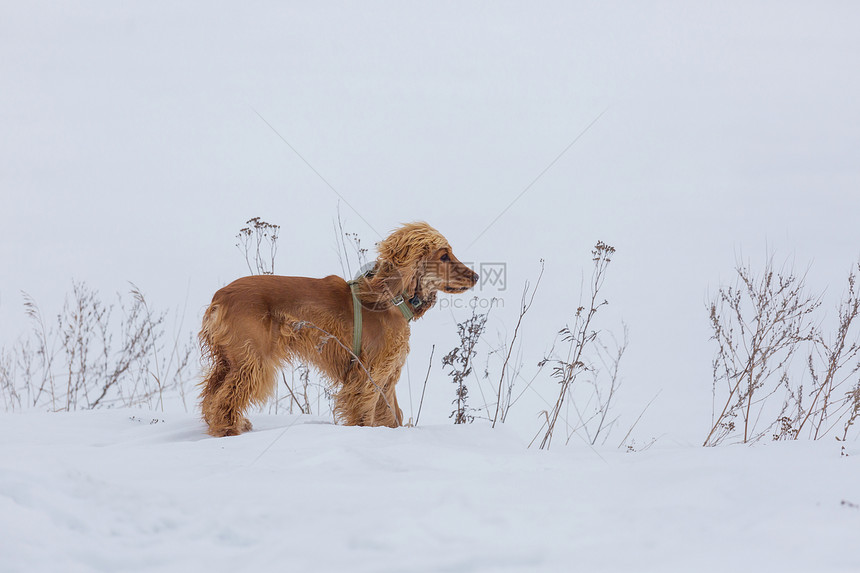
{"x": 424, "y": 262}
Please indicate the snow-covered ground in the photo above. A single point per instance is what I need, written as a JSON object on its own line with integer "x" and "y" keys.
{"x": 137, "y": 138}
{"x": 129, "y": 490}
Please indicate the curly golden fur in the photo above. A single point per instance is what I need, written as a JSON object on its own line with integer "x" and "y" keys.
{"x": 258, "y": 323}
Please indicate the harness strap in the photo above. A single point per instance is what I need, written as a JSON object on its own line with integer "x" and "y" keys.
{"x": 404, "y": 308}
{"x": 398, "y": 301}
{"x": 356, "y": 323}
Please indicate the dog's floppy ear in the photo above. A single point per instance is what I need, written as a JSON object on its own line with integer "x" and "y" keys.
{"x": 404, "y": 253}
{"x": 421, "y": 300}
{"x": 412, "y": 282}
{"x": 409, "y": 244}
{"x": 400, "y": 252}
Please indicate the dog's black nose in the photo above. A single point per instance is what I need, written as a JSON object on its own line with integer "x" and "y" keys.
{"x": 475, "y": 277}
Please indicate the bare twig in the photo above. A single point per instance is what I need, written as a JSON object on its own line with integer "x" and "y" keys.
{"x": 758, "y": 325}
{"x": 635, "y": 423}
{"x": 579, "y": 338}
{"x": 254, "y": 239}
{"x": 424, "y": 388}
{"x": 292, "y": 395}
{"x": 460, "y": 362}
{"x": 524, "y": 308}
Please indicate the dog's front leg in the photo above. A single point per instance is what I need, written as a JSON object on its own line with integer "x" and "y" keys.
{"x": 398, "y": 413}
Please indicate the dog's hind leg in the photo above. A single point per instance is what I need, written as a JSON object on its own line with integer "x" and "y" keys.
{"x": 211, "y": 383}
{"x": 249, "y": 382}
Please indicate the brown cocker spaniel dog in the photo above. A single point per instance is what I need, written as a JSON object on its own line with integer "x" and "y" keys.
{"x": 258, "y": 323}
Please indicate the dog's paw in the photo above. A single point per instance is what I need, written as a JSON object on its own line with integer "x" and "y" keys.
{"x": 240, "y": 427}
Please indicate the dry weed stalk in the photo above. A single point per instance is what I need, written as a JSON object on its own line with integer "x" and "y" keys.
{"x": 759, "y": 324}
{"x": 76, "y": 363}
{"x": 852, "y": 399}
{"x": 43, "y": 355}
{"x": 593, "y": 415}
{"x": 424, "y": 387}
{"x": 11, "y": 397}
{"x": 343, "y": 254}
{"x": 839, "y": 364}
{"x": 502, "y": 411}
{"x": 579, "y": 337}
{"x": 293, "y": 398}
{"x": 459, "y": 360}
{"x": 254, "y": 239}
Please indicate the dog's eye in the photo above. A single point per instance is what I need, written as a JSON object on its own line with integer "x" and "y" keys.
{"x": 446, "y": 258}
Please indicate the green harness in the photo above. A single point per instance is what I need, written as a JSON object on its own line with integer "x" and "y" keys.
{"x": 398, "y": 301}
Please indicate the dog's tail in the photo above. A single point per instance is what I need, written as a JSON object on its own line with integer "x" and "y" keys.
{"x": 214, "y": 337}
{"x": 206, "y": 336}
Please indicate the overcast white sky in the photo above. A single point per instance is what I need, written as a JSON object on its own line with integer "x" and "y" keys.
{"x": 130, "y": 150}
